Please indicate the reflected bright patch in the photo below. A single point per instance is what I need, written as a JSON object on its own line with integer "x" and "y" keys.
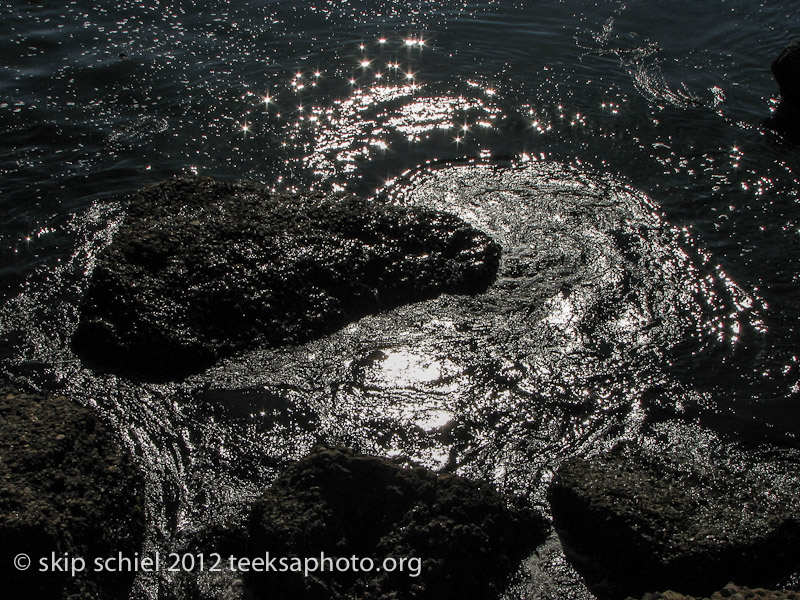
{"x": 404, "y": 368}
{"x": 367, "y": 121}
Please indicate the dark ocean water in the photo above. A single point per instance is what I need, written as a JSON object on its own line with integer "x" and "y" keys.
{"x": 665, "y": 312}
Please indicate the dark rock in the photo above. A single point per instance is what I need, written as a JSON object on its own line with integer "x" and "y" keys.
{"x": 467, "y": 539}
{"x": 65, "y": 488}
{"x": 201, "y": 269}
{"x": 729, "y": 592}
{"x": 786, "y": 69}
{"x": 631, "y": 522}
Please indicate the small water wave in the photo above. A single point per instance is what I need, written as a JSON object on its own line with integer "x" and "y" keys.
{"x": 642, "y": 61}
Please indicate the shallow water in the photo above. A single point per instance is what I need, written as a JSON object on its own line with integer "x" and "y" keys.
{"x": 649, "y": 225}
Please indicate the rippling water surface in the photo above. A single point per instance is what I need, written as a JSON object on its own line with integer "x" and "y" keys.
{"x": 649, "y": 224}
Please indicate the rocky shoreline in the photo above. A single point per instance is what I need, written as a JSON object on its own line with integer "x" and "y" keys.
{"x": 628, "y": 522}
{"x": 239, "y": 267}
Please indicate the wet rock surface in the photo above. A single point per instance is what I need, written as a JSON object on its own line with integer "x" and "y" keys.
{"x": 786, "y": 69}
{"x": 560, "y": 356}
{"x": 730, "y": 592}
{"x": 201, "y": 269}
{"x": 345, "y": 504}
{"x": 632, "y": 521}
{"x": 65, "y": 488}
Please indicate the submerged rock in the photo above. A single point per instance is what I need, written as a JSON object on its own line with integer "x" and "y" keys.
{"x": 729, "y": 592}
{"x": 201, "y": 269}
{"x": 631, "y": 522}
{"x": 786, "y": 69}
{"x": 466, "y": 539}
{"x": 65, "y": 489}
